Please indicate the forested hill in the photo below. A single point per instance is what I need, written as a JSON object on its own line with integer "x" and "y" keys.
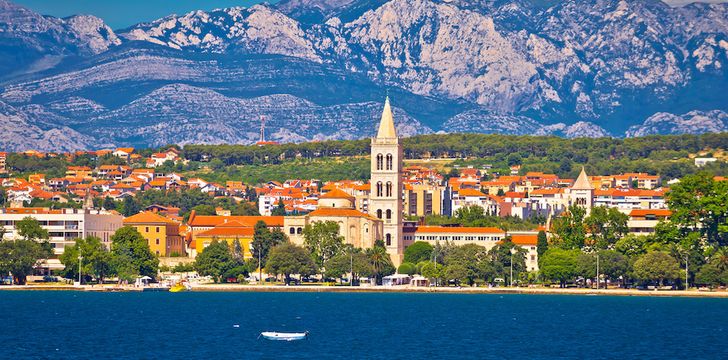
{"x": 668, "y": 155}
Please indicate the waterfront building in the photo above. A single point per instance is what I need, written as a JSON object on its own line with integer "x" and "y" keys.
{"x": 357, "y": 228}
{"x": 64, "y": 226}
{"x": 162, "y": 234}
{"x": 230, "y": 232}
{"x": 644, "y": 221}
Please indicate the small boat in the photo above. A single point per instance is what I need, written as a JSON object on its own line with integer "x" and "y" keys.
{"x": 179, "y": 287}
{"x": 272, "y": 335}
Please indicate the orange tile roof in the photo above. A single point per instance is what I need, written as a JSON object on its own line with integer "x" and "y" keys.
{"x": 336, "y": 194}
{"x": 327, "y": 211}
{"x": 214, "y": 220}
{"x": 231, "y": 228}
{"x": 525, "y": 239}
{"x": 470, "y": 192}
{"x": 127, "y": 150}
{"x": 146, "y": 217}
{"x": 656, "y": 212}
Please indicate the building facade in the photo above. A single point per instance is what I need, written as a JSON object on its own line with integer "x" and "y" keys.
{"x": 64, "y": 227}
{"x": 162, "y": 234}
{"x": 385, "y": 197}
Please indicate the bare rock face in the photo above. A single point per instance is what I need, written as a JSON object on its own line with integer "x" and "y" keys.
{"x": 319, "y": 69}
{"x": 576, "y": 130}
{"x": 694, "y": 122}
{"x": 20, "y": 133}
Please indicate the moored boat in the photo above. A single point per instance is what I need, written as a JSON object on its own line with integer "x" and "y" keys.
{"x": 272, "y": 335}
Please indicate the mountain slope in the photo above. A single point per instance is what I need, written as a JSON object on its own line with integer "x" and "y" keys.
{"x": 567, "y": 68}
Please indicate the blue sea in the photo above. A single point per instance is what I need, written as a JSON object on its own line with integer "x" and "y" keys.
{"x": 197, "y": 325}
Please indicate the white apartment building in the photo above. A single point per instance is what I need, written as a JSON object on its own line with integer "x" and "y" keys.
{"x": 64, "y": 226}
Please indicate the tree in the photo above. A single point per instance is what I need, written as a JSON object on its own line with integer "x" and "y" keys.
{"x": 698, "y": 204}
{"x": 605, "y": 226}
{"x": 432, "y": 271}
{"x": 30, "y": 229}
{"x": 569, "y": 228}
{"x": 279, "y": 210}
{"x": 323, "y": 241}
{"x": 470, "y": 214}
{"x": 613, "y": 264}
{"x": 632, "y": 245}
{"x": 501, "y": 256}
{"x": 380, "y": 261}
{"x": 131, "y": 256}
{"x": 457, "y": 273}
{"x": 288, "y": 259}
{"x": 468, "y": 257}
{"x": 407, "y": 268}
{"x": 264, "y": 240}
{"x": 96, "y": 259}
{"x": 709, "y": 275}
{"x": 109, "y": 203}
{"x": 656, "y": 266}
{"x": 21, "y": 256}
{"x": 559, "y": 265}
{"x": 215, "y": 260}
{"x": 130, "y": 206}
{"x": 418, "y": 251}
{"x": 542, "y": 244}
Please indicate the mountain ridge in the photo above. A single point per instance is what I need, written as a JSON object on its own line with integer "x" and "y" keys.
{"x": 567, "y": 68}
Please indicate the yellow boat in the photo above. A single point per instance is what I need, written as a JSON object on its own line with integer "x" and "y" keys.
{"x": 179, "y": 287}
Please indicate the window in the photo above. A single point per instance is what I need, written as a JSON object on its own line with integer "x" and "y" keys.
{"x": 157, "y": 241}
{"x": 379, "y": 213}
{"x": 389, "y": 188}
{"x": 533, "y": 257}
{"x": 379, "y": 189}
{"x": 292, "y": 231}
{"x": 389, "y": 162}
{"x": 157, "y": 228}
{"x": 146, "y": 229}
{"x": 380, "y": 162}
{"x": 389, "y": 214}
{"x": 389, "y": 240}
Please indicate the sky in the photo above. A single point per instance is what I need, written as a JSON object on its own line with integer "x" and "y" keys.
{"x": 119, "y": 14}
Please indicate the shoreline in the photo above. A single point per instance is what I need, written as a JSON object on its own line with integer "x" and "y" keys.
{"x": 383, "y": 289}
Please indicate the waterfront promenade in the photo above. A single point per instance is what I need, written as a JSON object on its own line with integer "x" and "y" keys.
{"x": 388, "y": 289}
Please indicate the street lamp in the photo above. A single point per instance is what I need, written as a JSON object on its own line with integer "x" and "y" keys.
{"x": 260, "y": 268}
{"x": 80, "y": 258}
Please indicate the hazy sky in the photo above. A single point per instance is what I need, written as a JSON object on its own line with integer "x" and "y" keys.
{"x": 123, "y": 13}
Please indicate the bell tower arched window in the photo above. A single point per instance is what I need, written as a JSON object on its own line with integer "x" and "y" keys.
{"x": 389, "y": 162}
{"x": 389, "y": 240}
{"x": 379, "y": 189}
{"x": 389, "y": 214}
{"x": 379, "y": 214}
{"x": 380, "y": 162}
{"x": 389, "y": 188}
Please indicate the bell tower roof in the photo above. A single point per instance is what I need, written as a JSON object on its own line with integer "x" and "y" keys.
{"x": 582, "y": 182}
{"x": 386, "y": 124}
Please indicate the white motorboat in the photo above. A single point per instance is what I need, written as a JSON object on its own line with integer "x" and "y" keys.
{"x": 272, "y": 335}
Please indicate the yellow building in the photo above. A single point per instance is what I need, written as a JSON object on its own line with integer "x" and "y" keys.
{"x": 161, "y": 233}
{"x": 423, "y": 199}
{"x": 228, "y": 232}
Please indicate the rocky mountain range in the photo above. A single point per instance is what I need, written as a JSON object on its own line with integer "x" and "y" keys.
{"x": 319, "y": 69}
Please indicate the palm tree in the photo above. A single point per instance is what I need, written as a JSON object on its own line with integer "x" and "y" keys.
{"x": 380, "y": 260}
